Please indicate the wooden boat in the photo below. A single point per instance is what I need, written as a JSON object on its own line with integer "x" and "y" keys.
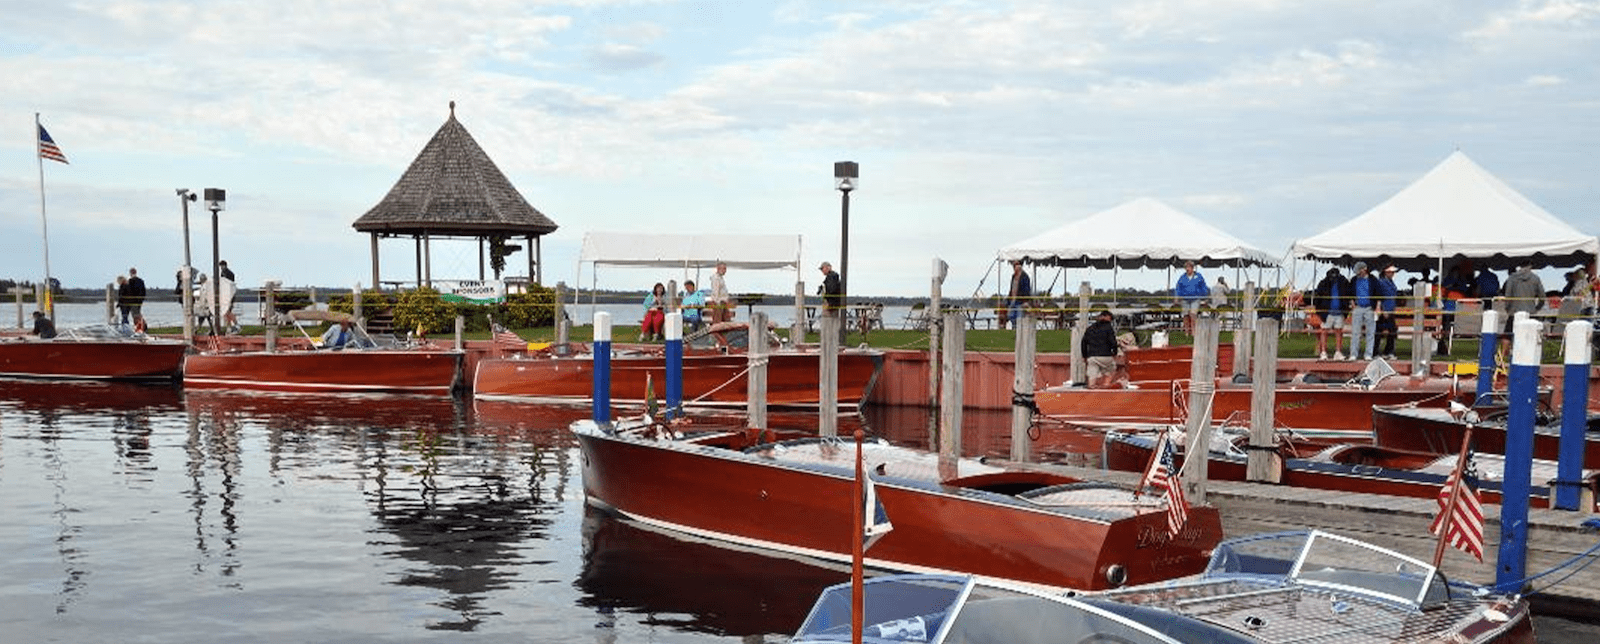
{"x": 714, "y": 374}
{"x": 794, "y": 497}
{"x": 1299, "y": 402}
{"x": 1350, "y": 467}
{"x": 91, "y": 353}
{"x": 1438, "y": 431}
{"x": 1171, "y": 362}
{"x": 1285, "y": 587}
{"x": 361, "y": 366}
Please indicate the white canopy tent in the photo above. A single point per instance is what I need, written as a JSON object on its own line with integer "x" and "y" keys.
{"x": 688, "y": 252}
{"x": 1458, "y": 210}
{"x": 1143, "y": 233}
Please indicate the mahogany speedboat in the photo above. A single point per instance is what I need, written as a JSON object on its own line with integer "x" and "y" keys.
{"x": 1301, "y": 402}
{"x": 1286, "y": 587}
{"x": 795, "y": 497}
{"x": 91, "y": 353}
{"x": 1438, "y": 431}
{"x": 714, "y": 373}
{"x": 359, "y": 366}
{"x": 1317, "y": 464}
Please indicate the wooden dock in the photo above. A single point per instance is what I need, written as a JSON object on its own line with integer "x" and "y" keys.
{"x": 1401, "y": 524}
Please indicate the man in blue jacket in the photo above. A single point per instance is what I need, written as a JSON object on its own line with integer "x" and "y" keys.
{"x": 1191, "y": 290}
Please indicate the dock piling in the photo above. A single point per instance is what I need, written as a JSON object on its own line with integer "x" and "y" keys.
{"x": 1488, "y": 339}
{"x": 828, "y": 373}
{"x": 602, "y": 368}
{"x": 1574, "y": 411}
{"x": 950, "y": 397}
{"x": 1022, "y": 385}
{"x": 1522, "y": 389}
{"x": 756, "y": 395}
{"x": 674, "y": 351}
{"x": 1265, "y": 465}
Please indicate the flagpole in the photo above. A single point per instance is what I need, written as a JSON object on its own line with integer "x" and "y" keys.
{"x": 1455, "y": 496}
{"x": 48, "y": 303}
{"x": 858, "y": 551}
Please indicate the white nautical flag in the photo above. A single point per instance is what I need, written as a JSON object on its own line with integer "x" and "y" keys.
{"x": 875, "y": 519}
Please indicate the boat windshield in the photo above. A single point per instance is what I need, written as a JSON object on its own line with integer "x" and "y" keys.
{"x": 1319, "y": 559}
{"x": 944, "y": 609}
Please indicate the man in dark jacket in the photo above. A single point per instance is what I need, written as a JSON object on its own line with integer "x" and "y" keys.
{"x": 135, "y": 299}
{"x": 1330, "y": 300}
{"x": 42, "y": 326}
{"x": 1099, "y": 347}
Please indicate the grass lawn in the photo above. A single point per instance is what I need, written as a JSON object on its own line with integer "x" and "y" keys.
{"x": 1292, "y": 345}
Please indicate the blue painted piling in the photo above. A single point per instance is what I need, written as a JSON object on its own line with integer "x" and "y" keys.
{"x": 674, "y": 364}
{"x": 1488, "y": 338}
{"x": 602, "y": 367}
{"x": 1522, "y": 387}
{"x": 1574, "y": 411}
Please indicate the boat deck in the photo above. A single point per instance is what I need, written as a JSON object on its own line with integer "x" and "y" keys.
{"x": 888, "y": 463}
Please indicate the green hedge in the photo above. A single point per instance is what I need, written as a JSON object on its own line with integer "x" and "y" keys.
{"x": 423, "y": 307}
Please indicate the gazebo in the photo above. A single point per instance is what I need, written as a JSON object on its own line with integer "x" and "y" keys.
{"x": 453, "y": 190}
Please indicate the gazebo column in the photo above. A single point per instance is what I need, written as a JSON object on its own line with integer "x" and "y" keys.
{"x": 535, "y": 261}
{"x": 375, "y": 261}
{"x": 480, "y": 259}
{"x": 418, "y": 239}
{"x": 427, "y": 259}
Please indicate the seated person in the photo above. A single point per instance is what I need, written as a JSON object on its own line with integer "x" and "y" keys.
{"x": 693, "y": 302}
{"x": 341, "y": 335}
{"x": 42, "y": 326}
{"x": 654, "y": 313}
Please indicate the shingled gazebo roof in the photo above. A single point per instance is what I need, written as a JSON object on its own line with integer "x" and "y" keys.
{"x": 453, "y": 188}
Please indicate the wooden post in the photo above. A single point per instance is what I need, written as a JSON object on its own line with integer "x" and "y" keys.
{"x": 15, "y": 290}
{"x": 828, "y": 375}
{"x": 1202, "y": 387}
{"x": 797, "y": 329}
{"x": 1264, "y": 466}
{"x": 1242, "y": 342}
{"x": 461, "y": 328}
{"x": 935, "y": 322}
{"x": 271, "y": 322}
{"x": 1022, "y": 383}
{"x": 1421, "y": 343}
{"x": 1079, "y": 368}
{"x": 111, "y": 304}
{"x": 951, "y": 398}
{"x": 559, "y": 313}
{"x": 756, "y": 396}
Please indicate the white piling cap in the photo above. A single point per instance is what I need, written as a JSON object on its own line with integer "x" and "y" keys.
{"x": 1525, "y": 345}
{"x": 602, "y": 326}
{"x": 675, "y": 326}
{"x": 1578, "y": 339}
{"x": 1491, "y": 322}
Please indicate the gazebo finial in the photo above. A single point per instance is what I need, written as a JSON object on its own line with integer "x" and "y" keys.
{"x": 452, "y": 109}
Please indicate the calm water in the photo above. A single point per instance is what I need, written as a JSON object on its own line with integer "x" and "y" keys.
{"x": 146, "y": 514}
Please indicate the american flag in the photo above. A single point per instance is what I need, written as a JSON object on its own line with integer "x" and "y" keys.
{"x": 875, "y": 520}
{"x": 1160, "y": 475}
{"x": 47, "y": 147}
{"x": 1465, "y": 529}
{"x": 506, "y": 339}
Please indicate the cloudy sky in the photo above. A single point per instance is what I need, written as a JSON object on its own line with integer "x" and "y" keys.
{"x": 976, "y": 124}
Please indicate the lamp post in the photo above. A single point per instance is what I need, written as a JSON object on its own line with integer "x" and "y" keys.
{"x": 214, "y": 200}
{"x": 187, "y": 274}
{"x": 846, "y": 177}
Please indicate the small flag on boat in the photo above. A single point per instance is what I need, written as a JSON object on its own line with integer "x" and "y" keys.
{"x": 48, "y": 148}
{"x": 506, "y": 339}
{"x": 875, "y": 519}
{"x": 1465, "y": 525}
{"x": 1160, "y": 475}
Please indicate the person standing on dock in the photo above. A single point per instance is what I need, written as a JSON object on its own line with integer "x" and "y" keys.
{"x": 122, "y": 299}
{"x": 1191, "y": 291}
{"x": 1329, "y": 300}
{"x": 1099, "y": 347}
{"x": 134, "y": 303}
{"x": 1364, "y": 292}
{"x": 1388, "y": 327}
{"x": 230, "y": 289}
{"x": 1021, "y": 291}
{"x": 721, "y": 302}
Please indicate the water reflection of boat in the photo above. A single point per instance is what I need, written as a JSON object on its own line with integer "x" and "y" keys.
{"x": 794, "y": 496}
{"x": 1285, "y": 587}
{"x": 91, "y": 353}
{"x": 363, "y": 410}
{"x": 89, "y": 396}
{"x": 696, "y": 585}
